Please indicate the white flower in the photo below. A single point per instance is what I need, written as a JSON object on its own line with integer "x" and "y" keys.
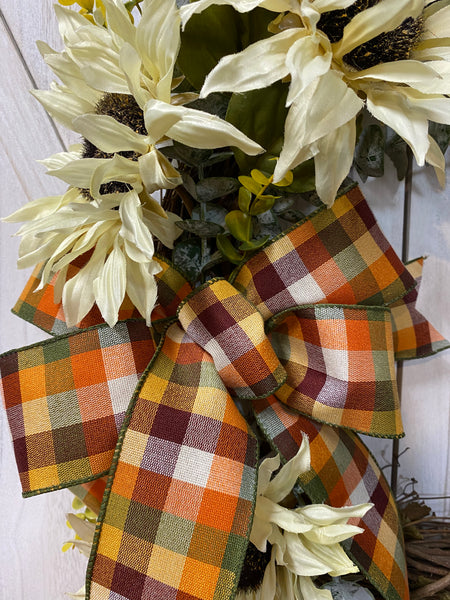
{"x": 117, "y": 229}
{"x": 326, "y": 93}
{"x": 119, "y": 58}
{"x": 305, "y": 540}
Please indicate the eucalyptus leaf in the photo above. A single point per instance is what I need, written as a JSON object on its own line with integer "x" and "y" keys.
{"x": 228, "y": 250}
{"x": 189, "y": 184}
{"x": 292, "y": 216}
{"x": 239, "y": 225}
{"x": 212, "y": 212}
{"x": 441, "y": 133}
{"x": 369, "y": 158}
{"x": 214, "y": 104}
{"x": 266, "y": 224}
{"x": 283, "y": 204}
{"x": 207, "y": 37}
{"x": 216, "y": 187}
{"x": 201, "y": 228}
{"x": 187, "y": 257}
{"x": 397, "y": 152}
{"x": 218, "y": 157}
{"x": 194, "y": 157}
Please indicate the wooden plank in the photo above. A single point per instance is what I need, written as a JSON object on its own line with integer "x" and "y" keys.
{"x": 33, "y": 530}
{"x": 37, "y": 22}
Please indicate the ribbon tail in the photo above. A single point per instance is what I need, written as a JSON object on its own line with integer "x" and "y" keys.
{"x": 178, "y": 505}
{"x": 343, "y": 472}
{"x": 414, "y": 336}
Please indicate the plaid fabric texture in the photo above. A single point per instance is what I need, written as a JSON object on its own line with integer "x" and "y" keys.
{"x": 414, "y": 336}
{"x": 66, "y": 399}
{"x": 224, "y": 323}
{"x": 340, "y": 365}
{"x": 336, "y": 256}
{"x": 180, "y": 507}
{"x": 178, "y": 503}
{"x": 40, "y": 308}
{"x": 91, "y": 493}
{"x": 343, "y": 472}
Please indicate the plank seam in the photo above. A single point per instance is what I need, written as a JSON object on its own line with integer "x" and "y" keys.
{"x": 28, "y": 72}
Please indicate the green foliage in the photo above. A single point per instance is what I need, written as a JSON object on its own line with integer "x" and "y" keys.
{"x": 369, "y": 156}
{"x": 215, "y": 187}
{"x": 207, "y": 37}
{"x": 441, "y": 133}
{"x": 261, "y": 115}
{"x": 203, "y": 229}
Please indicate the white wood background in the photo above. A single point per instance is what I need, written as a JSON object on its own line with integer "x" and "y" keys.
{"x": 32, "y": 566}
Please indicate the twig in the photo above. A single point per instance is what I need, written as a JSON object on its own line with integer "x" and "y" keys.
{"x": 423, "y": 568}
{"x": 432, "y": 588}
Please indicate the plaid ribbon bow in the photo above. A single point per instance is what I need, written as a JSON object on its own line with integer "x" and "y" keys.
{"x": 306, "y": 331}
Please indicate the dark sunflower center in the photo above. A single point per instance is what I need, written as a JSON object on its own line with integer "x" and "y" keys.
{"x": 255, "y": 564}
{"x": 386, "y": 47}
{"x": 124, "y": 109}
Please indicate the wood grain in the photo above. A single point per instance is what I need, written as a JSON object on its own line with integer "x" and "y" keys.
{"x": 33, "y": 530}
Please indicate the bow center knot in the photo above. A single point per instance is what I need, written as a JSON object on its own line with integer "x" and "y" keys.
{"x": 231, "y": 329}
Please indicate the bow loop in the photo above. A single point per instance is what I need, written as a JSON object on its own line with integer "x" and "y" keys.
{"x": 341, "y": 366}
{"x": 225, "y": 324}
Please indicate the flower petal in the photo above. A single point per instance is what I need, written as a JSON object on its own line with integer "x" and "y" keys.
{"x": 369, "y": 23}
{"x": 117, "y": 168}
{"x": 141, "y": 287}
{"x": 109, "y": 286}
{"x": 157, "y": 172}
{"x": 203, "y": 130}
{"x": 258, "y": 66}
{"x": 436, "y": 159}
{"x": 62, "y": 104}
{"x": 109, "y": 135}
{"x": 392, "y": 108}
{"x": 158, "y": 42}
{"x": 326, "y": 105}
{"x": 308, "y": 58}
{"x": 283, "y": 482}
{"x": 339, "y": 144}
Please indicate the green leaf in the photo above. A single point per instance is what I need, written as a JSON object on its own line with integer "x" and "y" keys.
{"x": 245, "y": 198}
{"x": 369, "y": 159}
{"x": 207, "y": 37}
{"x": 212, "y": 212}
{"x": 203, "y": 229}
{"x": 397, "y": 152}
{"x": 250, "y": 184}
{"x": 194, "y": 157}
{"x": 292, "y": 216}
{"x": 260, "y": 114}
{"x": 254, "y": 25}
{"x": 441, "y": 133}
{"x": 189, "y": 184}
{"x": 214, "y": 104}
{"x": 254, "y": 244}
{"x": 262, "y": 205}
{"x": 240, "y": 225}
{"x": 267, "y": 224}
{"x": 259, "y": 177}
{"x": 283, "y": 205}
{"x": 218, "y": 157}
{"x": 228, "y": 250}
{"x": 77, "y": 504}
{"x": 187, "y": 257}
{"x": 216, "y": 187}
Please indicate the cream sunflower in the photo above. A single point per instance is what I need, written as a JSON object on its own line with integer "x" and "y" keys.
{"x": 333, "y": 74}
{"x": 305, "y": 540}
{"x": 116, "y": 92}
{"x": 119, "y": 234}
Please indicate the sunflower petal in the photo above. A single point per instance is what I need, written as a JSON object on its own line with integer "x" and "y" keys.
{"x": 258, "y": 66}
{"x": 369, "y": 23}
{"x": 109, "y": 135}
{"x": 109, "y": 286}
